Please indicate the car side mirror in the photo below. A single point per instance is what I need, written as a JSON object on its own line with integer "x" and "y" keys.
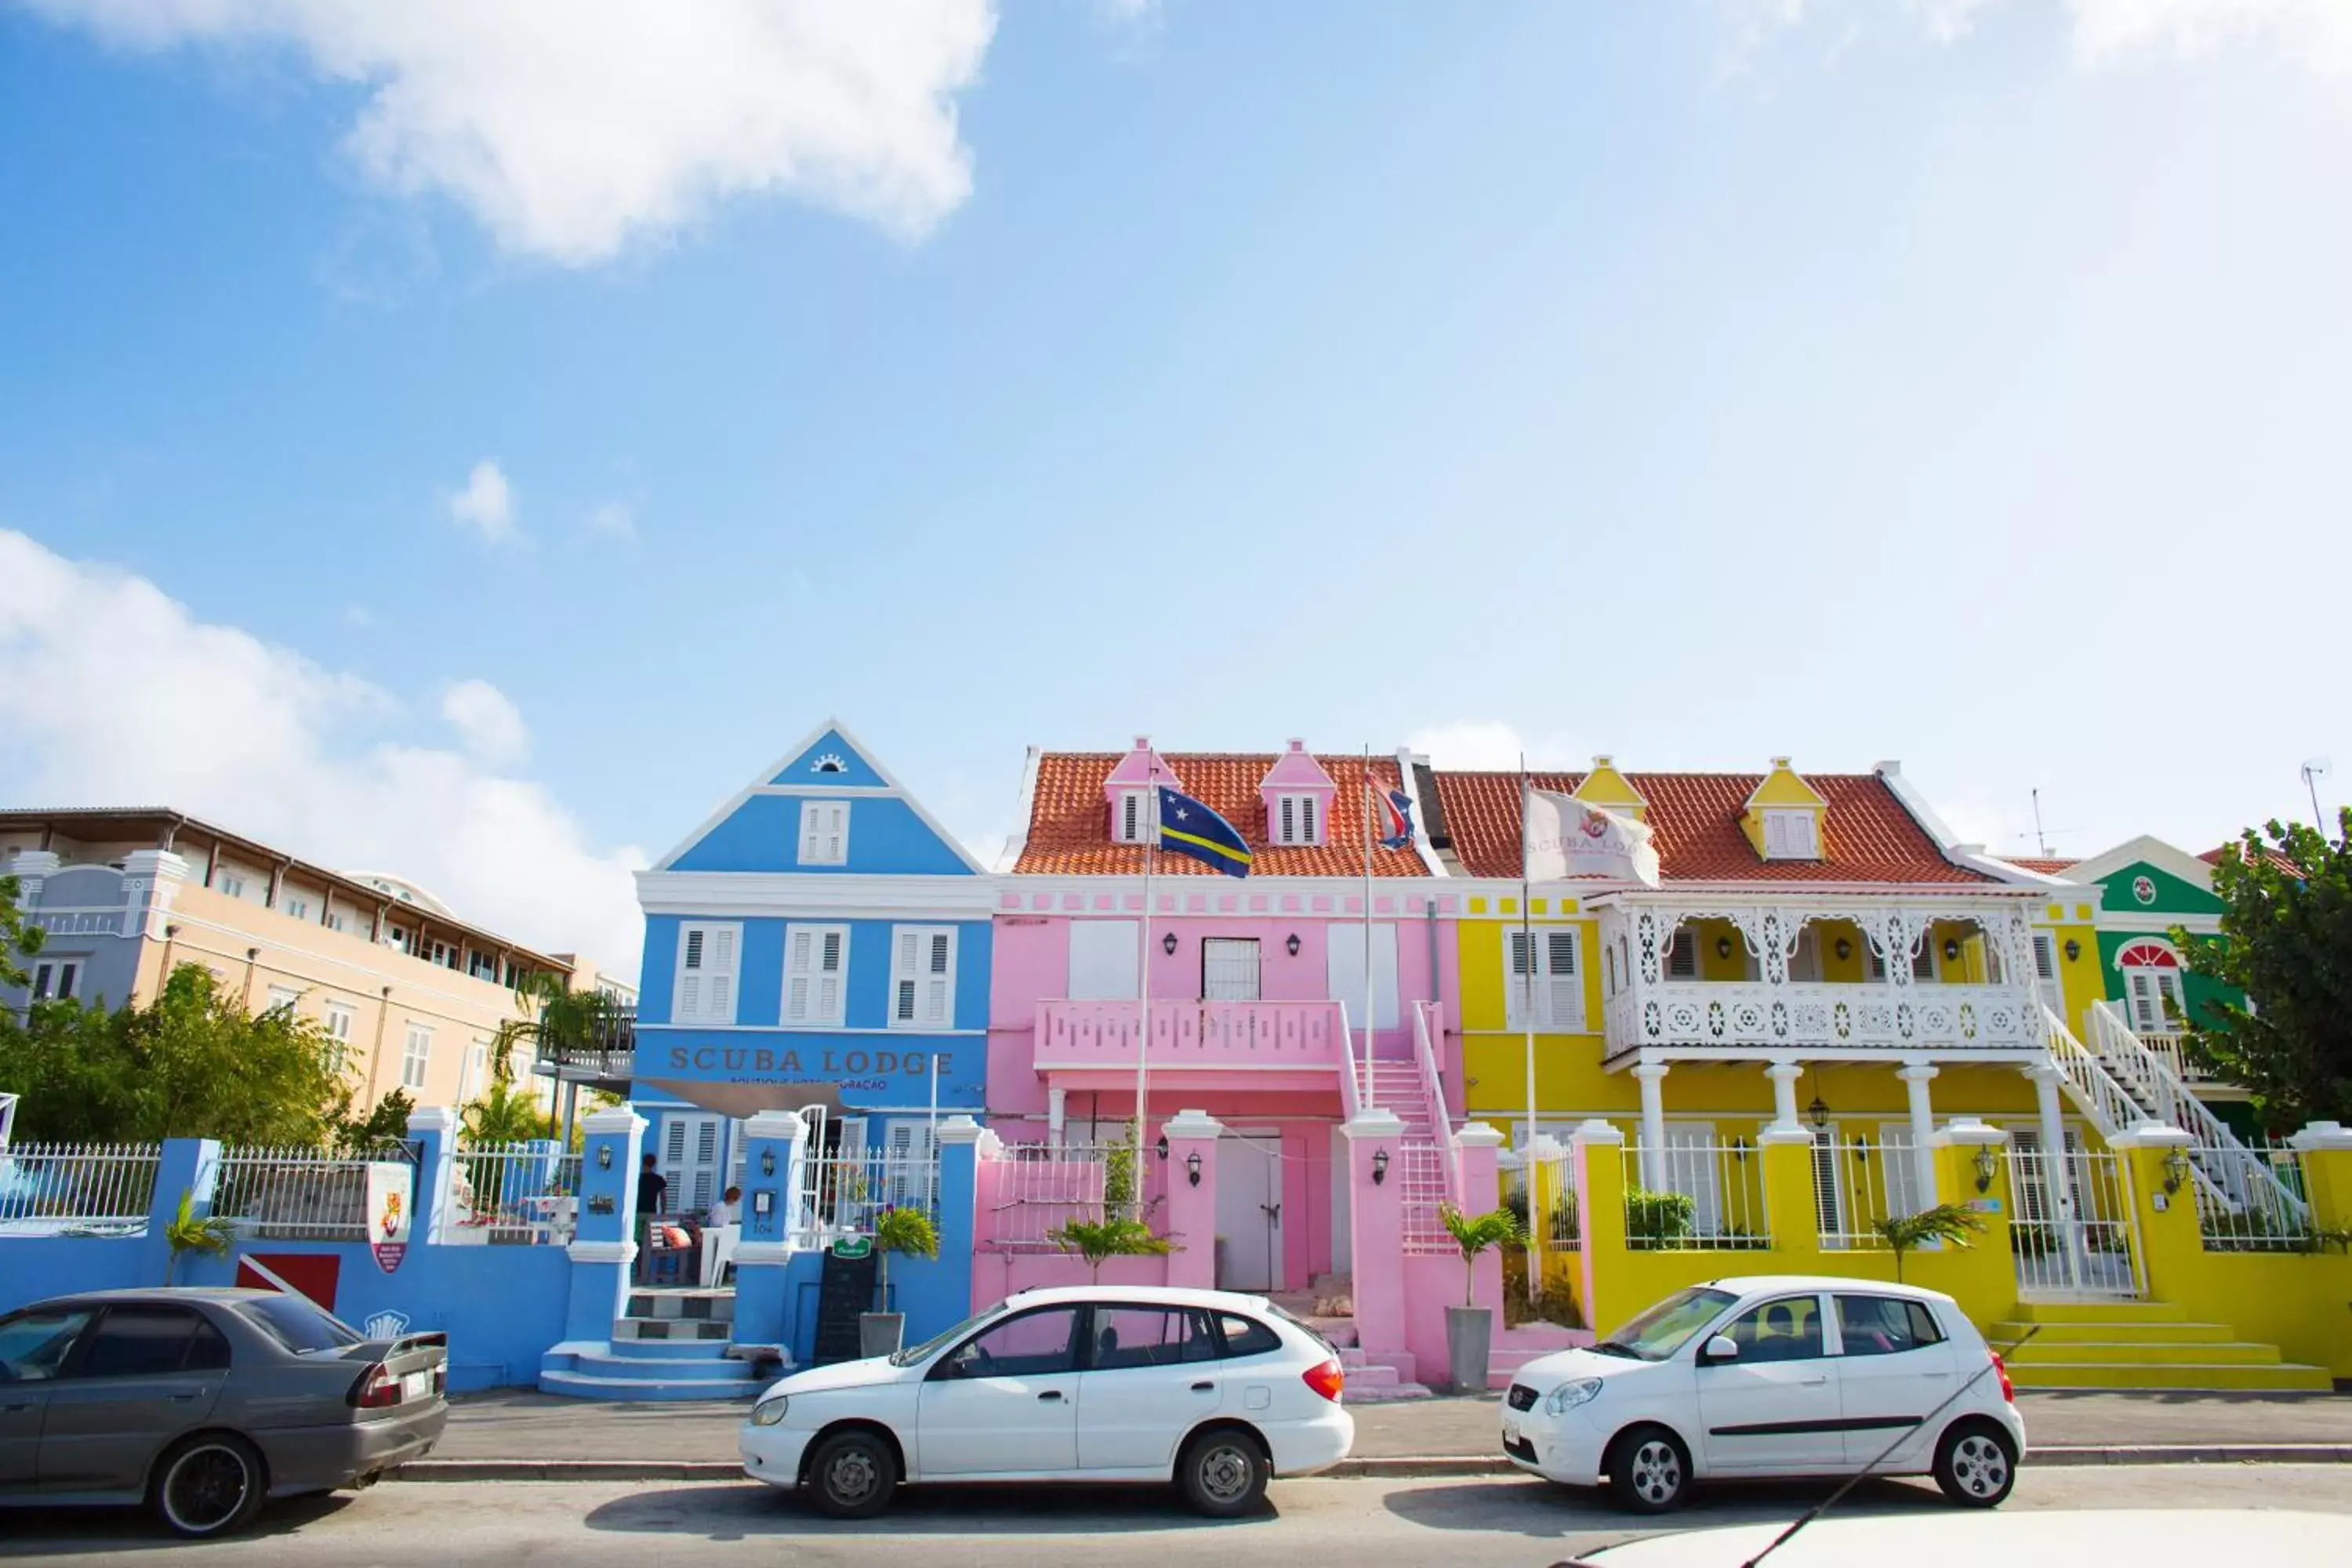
{"x": 1721, "y": 1348}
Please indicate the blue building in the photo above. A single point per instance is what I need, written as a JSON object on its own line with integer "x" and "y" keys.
{"x": 820, "y": 941}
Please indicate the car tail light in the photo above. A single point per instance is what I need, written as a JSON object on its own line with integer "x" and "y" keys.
{"x": 1325, "y": 1379}
{"x": 377, "y": 1389}
{"x": 2001, "y": 1371}
{"x": 441, "y": 1378}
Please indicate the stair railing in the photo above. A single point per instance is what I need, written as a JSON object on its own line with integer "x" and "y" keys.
{"x": 2108, "y": 1104}
{"x": 2238, "y": 1168}
{"x": 1432, "y": 1088}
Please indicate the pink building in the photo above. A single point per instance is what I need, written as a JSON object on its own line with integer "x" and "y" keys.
{"x": 1257, "y": 990}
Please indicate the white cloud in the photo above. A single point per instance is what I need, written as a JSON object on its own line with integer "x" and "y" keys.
{"x": 2315, "y": 33}
{"x": 613, "y": 520}
{"x": 1486, "y": 744}
{"x": 1947, "y": 20}
{"x": 570, "y": 127}
{"x": 111, "y": 693}
{"x": 486, "y": 504}
{"x": 487, "y": 721}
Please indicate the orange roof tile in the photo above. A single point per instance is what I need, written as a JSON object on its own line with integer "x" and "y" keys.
{"x": 2213, "y": 857}
{"x": 1069, "y": 824}
{"x": 1868, "y": 835}
{"x": 2048, "y": 866}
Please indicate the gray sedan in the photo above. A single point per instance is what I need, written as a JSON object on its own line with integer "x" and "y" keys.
{"x": 201, "y": 1403}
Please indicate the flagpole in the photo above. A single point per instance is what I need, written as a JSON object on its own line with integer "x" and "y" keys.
{"x": 1364, "y": 809}
{"x": 1531, "y": 1173}
{"x": 1143, "y": 974}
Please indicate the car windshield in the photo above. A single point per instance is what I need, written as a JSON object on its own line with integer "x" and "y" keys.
{"x": 1668, "y": 1326}
{"x": 299, "y": 1325}
{"x": 914, "y": 1353}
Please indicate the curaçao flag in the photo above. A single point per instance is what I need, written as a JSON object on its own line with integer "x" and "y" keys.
{"x": 1188, "y": 828}
{"x": 1391, "y": 815}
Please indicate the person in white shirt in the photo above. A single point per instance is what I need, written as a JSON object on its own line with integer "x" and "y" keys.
{"x": 723, "y": 1211}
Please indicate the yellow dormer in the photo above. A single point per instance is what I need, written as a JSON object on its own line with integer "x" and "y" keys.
{"x": 1784, "y": 816}
{"x": 1607, "y": 788}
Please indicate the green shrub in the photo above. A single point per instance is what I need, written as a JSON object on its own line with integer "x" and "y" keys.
{"x": 1652, "y": 1218}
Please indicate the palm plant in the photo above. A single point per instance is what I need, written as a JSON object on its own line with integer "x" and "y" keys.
{"x": 1116, "y": 1235}
{"x": 559, "y": 1021}
{"x": 1954, "y": 1223}
{"x": 188, "y": 1231}
{"x": 909, "y": 1231}
{"x": 1474, "y": 1234}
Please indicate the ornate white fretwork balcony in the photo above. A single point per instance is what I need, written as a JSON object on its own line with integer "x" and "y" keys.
{"x": 1653, "y": 1016}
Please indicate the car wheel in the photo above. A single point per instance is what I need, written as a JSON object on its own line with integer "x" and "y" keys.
{"x": 209, "y": 1485}
{"x": 1223, "y": 1474}
{"x": 1976, "y": 1464}
{"x": 852, "y": 1475}
{"x": 1648, "y": 1470}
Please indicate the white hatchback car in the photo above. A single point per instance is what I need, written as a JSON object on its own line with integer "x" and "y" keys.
{"x": 1215, "y": 1391}
{"x": 1784, "y": 1376}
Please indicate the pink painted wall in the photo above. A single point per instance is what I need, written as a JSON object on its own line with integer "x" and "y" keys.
{"x": 997, "y": 1275}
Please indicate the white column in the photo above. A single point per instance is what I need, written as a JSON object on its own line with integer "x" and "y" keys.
{"x": 1652, "y": 1076}
{"x": 1785, "y": 1076}
{"x": 1056, "y": 1105}
{"x": 1915, "y": 1076}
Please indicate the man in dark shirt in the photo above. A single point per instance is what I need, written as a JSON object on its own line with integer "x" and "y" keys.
{"x": 653, "y": 1194}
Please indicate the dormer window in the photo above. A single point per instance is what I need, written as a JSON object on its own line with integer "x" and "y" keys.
{"x": 1131, "y": 819}
{"x": 1295, "y": 821}
{"x": 1790, "y": 834}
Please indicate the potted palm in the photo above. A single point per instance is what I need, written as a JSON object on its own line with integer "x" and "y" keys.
{"x": 1945, "y": 1222}
{"x": 908, "y": 1231}
{"x": 1470, "y": 1328}
{"x": 1117, "y": 1235}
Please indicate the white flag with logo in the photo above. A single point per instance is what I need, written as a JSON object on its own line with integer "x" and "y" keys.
{"x": 1565, "y": 837}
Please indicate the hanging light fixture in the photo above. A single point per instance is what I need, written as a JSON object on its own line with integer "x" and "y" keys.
{"x": 1168, "y": 944}
{"x": 1291, "y": 945}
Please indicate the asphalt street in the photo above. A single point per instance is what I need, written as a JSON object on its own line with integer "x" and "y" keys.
{"x": 1393, "y": 1524}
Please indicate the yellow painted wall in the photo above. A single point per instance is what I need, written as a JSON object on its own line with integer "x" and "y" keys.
{"x": 1853, "y": 969}
{"x": 1570, "y": 1082}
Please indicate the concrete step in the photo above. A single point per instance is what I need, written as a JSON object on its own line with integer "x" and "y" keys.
{"x": 2141, "y": 1353}
{"x": 717, "y": 1375}
{"x": 1394, "y": 1394}
{"x": 2283, "y": 1378}
{"x": 631, "y": 1349}
{"x": 716, "y": 1306}
{"x": 2100, "y": 1312}
{"x": 583, "y": 1385}
{"x": 2008, "y": 1333}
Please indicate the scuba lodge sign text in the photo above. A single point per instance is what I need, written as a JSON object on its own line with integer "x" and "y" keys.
{"x": 853, "y": 1069}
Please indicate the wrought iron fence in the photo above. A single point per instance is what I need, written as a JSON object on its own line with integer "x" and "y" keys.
{"x": 514, "y": 1193}
{"x": 844, "y": 1194}
{"x": 1032, "y": 1190}
{"x": 299, "y": 1193}
{"x": 1695, "y": 1196}
{"x": 1420, "y": 1173}
{"x": 2238, "y": 1211}
{"x": 1852, "y": 1183}
{"x": 47, "y": 1187}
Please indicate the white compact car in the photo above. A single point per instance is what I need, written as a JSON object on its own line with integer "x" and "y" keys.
{"x": 1787, "y": 1376}
{"x": 1215, "y": 1391}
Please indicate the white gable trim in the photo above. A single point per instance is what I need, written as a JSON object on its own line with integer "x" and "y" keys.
{"x": 859, "y": 894}
{"x": 1421, "y": 845}
{"x": 892, "y": 790}
{"x": 2155, "y": 852}
{"x": 1969, "y": 856}
{"x": 1017, "y": 841}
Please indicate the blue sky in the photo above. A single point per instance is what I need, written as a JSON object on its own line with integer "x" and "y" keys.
{"x": 479, "y": 444}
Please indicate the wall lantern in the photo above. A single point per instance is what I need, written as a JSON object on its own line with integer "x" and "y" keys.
{"x": 2176, "y": 1170}
{"x": 1168, "y": 944}
{"x": 1192, "y": 1167}
{"x": 1739, "y": 1149}
{"x": 767, "y": 1162}
{"x": 1379, "y": 1166}
{"x": 2073, "y": 949}
{"x": 1723, "y": 947}
{"x": 1819, "y": 1111}
{"x": 1951, "y": 951}
{"x": 1290, "y": 944}
{"x": 1844, "y": 948}
{"x": 1985, "y": 1166}
{"x": 1160, "y": 1148}
{"x": 1861, "y": 1149}
{"x": 603, "y": 1156}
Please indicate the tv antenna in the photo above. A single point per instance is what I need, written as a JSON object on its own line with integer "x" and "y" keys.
{"x": 2313, "y": 770}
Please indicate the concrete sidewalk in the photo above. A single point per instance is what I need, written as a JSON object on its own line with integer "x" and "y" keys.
{"x": 534, "y": 1428}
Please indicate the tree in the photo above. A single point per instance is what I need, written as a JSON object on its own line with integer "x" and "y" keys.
{"x": 17, "y": 939}
{"x": 560, "y": 1022}
{"x": 1474, "y": 1234}
{"x": 193, "y": 1063}
{"x": 1902, "y": 1232}
{"x": 1117, "y": 1235}
{"x": 504, "y": 1114}
{"x": 2286, "y": 946}
{"x": 385, "y": 1123}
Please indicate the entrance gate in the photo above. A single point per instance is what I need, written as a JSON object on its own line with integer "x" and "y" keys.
{"x": 2072, "y": 1234}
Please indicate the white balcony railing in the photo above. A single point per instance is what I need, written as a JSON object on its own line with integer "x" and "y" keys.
{"x": 1260, "y": 1034}
{"x": 1709, "y": 1014}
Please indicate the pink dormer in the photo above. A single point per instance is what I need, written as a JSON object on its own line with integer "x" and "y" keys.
{"x": 1298, "y": 795}
{"x": 1127, "y": 793}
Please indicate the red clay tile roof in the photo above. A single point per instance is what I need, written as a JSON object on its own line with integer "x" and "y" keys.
{"x": 1867, "y": 834}
{"x": 2213, "y": 857}
{"x": 1069, "y": 825}
{"x": 2048, "y": 866}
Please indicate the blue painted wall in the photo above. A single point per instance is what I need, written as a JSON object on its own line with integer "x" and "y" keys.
{"x": 760, "y": 991}
{"x": 108, "y": 961}
{"x": 763, "y": 834}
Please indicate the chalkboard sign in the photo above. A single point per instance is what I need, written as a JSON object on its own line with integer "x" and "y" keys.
{"x": 844, "y": 1290}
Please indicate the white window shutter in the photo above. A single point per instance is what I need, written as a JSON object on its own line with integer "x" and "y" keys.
{"x": 1288, "y": 833}
{"x": 1562, "y": 994}
{"x": 1516, "y": 968}
{"x": 799, "y": 973}
{"x": 719, "y": 999}
{"x": 1306, "y": 834}
{"x": 1131, "y": 818}
{"x": 2044, "y": 964}
{"x": 938, "y": 979}
{"x": 833, "y": 961}
{"x": 689, "y": 1006}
